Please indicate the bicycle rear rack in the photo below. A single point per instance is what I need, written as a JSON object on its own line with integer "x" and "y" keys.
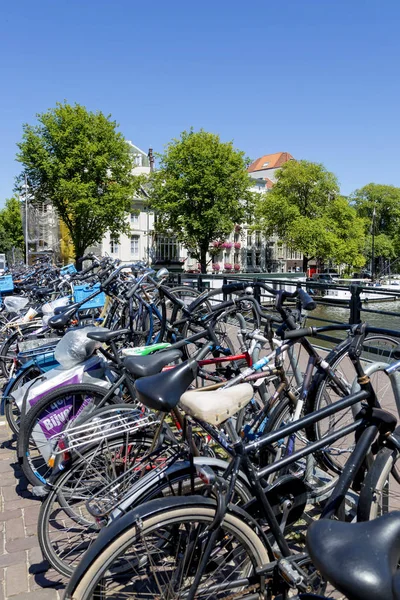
{"x": 100, "y": 429}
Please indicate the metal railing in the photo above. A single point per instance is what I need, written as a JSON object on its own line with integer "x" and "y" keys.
{"x": 355, "y": 301}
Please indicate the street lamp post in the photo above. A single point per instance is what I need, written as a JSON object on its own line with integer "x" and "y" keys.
{"x": 373, "y": 246}
{"x": 26, "y": 221}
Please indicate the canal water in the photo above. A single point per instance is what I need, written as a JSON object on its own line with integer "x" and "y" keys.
{"x": 341, "y": 314}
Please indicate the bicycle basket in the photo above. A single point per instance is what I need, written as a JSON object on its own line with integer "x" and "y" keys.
{"x": 6, "y": 284}
{"x": 83, "y": 291}
{"x": 68, "y": 270}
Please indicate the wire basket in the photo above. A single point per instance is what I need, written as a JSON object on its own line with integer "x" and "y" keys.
{"x": 97, "y": 430}
{"x": 31, "y": 348}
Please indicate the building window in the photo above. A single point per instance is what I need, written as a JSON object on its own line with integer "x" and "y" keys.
{"x": 249, "y": 258}
{"x": 167, "y": 248}
{"x": 135, "y": 246}
{"x": 249, "y": 240}
{"x": 134, "y": 220}
{"x": 114, "y": 246}
{"x": 258, "y": 239}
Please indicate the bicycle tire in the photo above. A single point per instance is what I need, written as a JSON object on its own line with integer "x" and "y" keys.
{"x": 37, "y": 470}
{"x": 64, "y": 512}
{"x": 176, "y": 317}
{"x": 321, "y": 392}
{"x": 169, "y": 517}
{"x": 226, "y": 326}
{"x": 179, "y": 483}
{"x": 7, "y": 355}
{"x": 11, "y": 410}
{"x": 376, "y": 496}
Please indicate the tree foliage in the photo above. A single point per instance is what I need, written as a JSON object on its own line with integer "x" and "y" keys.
{"x": 78, "y": 161}
{"x": 306, "y": 212}
{"x": 11, "y": 233}
{"x": 200, "y": 190}
{"x": 385, "y": 200}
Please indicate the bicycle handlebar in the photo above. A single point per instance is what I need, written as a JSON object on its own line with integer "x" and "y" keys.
{"x": 306, "y": 301}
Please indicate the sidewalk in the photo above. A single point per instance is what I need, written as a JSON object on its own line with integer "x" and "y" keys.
{"x": 23, "y": 573}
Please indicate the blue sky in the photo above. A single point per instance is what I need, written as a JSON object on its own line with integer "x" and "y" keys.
{"x": 317, "y": 78}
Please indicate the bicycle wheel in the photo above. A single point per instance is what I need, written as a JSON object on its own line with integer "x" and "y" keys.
{"x": 159, "y": 556}
{"x": 226, "y": 328}
{"x": 319, "y": 482}
{"x": 8, "y": 349}
{"x": 11, "y": 410}
{"x": 380, "y": 493}
{"x": 187, "y": 295}
{"x": 47, "y": 418}
{"x": 324, "y": 392}
{"x": 65, "y": 527}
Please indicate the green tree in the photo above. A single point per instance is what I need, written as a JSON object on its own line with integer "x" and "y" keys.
{"x": 200, "y": 190}
{"x": 384, "y": 200}
{"x": 78, "y": 161}
{"x": 11, "y": 234}
{"x": 306, "y": 212}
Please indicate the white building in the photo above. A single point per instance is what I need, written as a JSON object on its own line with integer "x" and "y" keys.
{"x": 248, "y": 250}
{"x": 243, "y": 250}
{"x": 138, "y": 244}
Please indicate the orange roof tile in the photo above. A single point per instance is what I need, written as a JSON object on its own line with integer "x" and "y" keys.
{"x": 269, "y": 184}
{"x": 270, "y": 161}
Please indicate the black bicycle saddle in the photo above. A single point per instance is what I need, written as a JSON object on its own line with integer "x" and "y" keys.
{"x": 105, "y": 335}
{"x": 359, "y": 559}
{"x": 163, "y": 391}
{"x": 61, "y": 320}
{"x": 143, "y": 366}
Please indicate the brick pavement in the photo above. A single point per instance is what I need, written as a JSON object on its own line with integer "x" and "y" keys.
{"x": 24, "y": 575}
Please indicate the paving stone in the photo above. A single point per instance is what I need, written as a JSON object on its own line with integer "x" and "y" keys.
{"x": 9, "y": 493}
{"x": 15, "y": 529}
{"x": 38, "y": 594}
{"x": 4, "y": 466}
{"x": 22, "y": 544}
{"x": 19, "y": 503}
{"x": 12, "y": 558}
{"x": 2, "y": 592}
{"x": 36, "y": 562}
{"x": 31, "y": 514}
{"x": 24, "y": 574}
{"x": 8, "y": 515}
{"x": 50, "y": 579}
{"x": 8, "y": 478}
{"x": 31, "y": 529}
{"x": 16, "y": 579}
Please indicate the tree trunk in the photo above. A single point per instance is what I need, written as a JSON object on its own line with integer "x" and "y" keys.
{"x": 203, "y": 257}
{"x": 79, "y": 252}
{"x": 305, "y": 263}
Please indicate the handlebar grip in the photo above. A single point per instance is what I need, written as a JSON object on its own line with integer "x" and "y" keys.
{"x": 85, "y": 257}
{"x": 298, "y": 333}
{"x": 110, "y": 278}
{"x": 237, "y": 286}
{"x": 307, "y": 302}
{"x": 222, "y": 305}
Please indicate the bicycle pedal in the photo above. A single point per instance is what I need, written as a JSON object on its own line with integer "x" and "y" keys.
{"x": 290, "y": 573}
